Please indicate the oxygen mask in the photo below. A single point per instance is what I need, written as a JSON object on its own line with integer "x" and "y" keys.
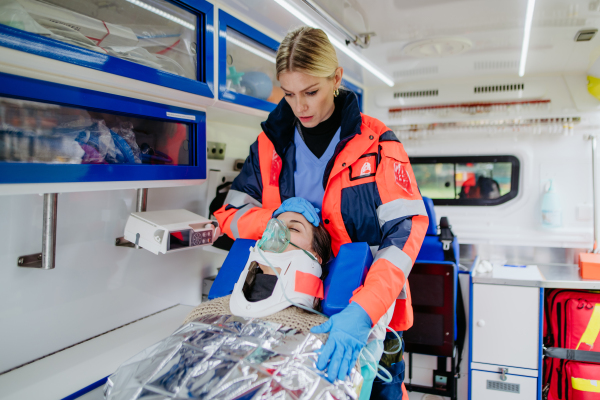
{"x": 276, "y": 238}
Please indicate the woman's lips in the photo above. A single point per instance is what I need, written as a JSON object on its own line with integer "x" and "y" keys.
{"x": 305, "y": 119}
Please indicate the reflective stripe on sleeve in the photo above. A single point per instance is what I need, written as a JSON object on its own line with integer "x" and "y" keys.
{"x": 400, "y": 208}
{"x": 238, "y": 199}
{"x": 397, "y": 257}
{"x": 402, "y": 294}
{"x": 234, "y": 222}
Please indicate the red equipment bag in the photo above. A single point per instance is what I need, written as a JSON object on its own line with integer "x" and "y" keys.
{"x": 580, "y": 381}
{"x": 572, "y": 321}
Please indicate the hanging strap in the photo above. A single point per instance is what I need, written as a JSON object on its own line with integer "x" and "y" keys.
{"x": 593, "y": 328}
{"x": 447, "y": 238}
{"x": 573, "y": 355}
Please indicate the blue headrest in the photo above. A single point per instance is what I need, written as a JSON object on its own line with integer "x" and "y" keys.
{"x": 231, "y": 269}
{"x": 345, "y": 273}
{"x": 432, "y": 228}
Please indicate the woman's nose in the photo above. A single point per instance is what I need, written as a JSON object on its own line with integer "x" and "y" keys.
{"x": 301, "y": 106}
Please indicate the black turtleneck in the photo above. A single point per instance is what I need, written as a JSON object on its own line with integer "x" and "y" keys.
{"x": 317, "y": 139}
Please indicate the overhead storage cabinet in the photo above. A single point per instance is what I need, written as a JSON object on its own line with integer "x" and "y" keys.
{"x": 55, "y": 133}
{"x": 157, "y": 41}
{"x": 247, "y": 65}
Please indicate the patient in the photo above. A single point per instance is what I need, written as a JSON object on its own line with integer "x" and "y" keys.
{"x": 260, "y": 280}
{"x": 315, "y": 240}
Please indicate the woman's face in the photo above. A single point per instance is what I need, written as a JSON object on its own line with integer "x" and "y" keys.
{"x": 310, "y": 98}
{"x": 301, "y": 234}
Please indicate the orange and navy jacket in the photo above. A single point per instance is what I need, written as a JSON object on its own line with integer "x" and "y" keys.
{"x": 371, "y": 195}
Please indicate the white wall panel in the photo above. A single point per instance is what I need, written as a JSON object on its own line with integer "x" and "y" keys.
{"x": 96, "y": 286}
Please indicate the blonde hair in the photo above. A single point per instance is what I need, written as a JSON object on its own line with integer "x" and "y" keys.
{"x": 307, "y": 50}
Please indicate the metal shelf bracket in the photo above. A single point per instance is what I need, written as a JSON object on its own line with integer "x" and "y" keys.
{"x": 46, "y": 259}
{"x": 140, "y": 205}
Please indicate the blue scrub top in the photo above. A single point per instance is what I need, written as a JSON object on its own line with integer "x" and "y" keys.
{"x": 308, "y": 176}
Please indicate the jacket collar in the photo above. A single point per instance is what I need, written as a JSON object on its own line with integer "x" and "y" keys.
{"x": 279, "y": 126}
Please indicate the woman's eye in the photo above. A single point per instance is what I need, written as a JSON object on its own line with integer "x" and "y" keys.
{"x": 311, "y": 93}
{"x": 295, "y": 230}
{"x": 288, "y": 95}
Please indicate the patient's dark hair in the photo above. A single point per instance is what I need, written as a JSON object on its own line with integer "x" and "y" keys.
{"x": 321, "y": 243}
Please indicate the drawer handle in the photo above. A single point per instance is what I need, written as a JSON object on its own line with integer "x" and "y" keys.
{"x": 481, "y": 323}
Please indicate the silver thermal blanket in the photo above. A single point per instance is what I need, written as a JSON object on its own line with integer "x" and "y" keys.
{"x": 228, "y": 357}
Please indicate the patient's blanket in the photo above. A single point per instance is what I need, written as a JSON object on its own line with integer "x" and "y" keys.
{"x": 228, "y": 357}
{"x": 293, "y": 317}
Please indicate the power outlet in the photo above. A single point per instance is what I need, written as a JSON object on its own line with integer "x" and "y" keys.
{"x": 215, "y": 150}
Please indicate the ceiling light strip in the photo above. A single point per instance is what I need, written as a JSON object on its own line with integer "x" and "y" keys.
{"x": 526, "y": 36}
{"x": 342, "y": 46}
{"x": 251, "y": 49}
{"x": 162, "y": 14}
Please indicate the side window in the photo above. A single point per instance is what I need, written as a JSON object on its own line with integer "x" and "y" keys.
{"x": 467, "y": 180}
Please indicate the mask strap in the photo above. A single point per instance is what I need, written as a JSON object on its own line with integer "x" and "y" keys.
{"x": 308, "y": 253}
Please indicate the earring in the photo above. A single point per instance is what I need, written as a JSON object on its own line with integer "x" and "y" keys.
{"x": 336, "y": 93}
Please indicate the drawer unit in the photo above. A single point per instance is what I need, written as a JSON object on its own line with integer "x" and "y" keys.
{"x": 247, "y": 65}
{"x": 157, "y": 41}
{"x": 490, "y": 386}
{"x": 506, "y": 325}
{"x": 52, "y": 133}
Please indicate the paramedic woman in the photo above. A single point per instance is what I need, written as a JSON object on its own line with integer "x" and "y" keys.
{"x": 317, "y": 145}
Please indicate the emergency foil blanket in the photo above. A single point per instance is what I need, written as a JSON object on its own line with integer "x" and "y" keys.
{"x": 227, "y": 357}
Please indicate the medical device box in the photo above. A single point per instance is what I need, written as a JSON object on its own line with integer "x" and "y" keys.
{"x": 170, "y": 230}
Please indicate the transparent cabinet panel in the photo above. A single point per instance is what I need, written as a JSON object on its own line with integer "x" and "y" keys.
{"x": 251, "y": 68}
{"x": 36, "y": 132}
{"x": 154, "y": 33}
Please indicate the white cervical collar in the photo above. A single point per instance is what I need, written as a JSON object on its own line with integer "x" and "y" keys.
{"x": 290, "y": 262}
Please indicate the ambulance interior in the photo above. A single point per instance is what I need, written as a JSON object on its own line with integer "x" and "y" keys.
{"x": 496, "y": 103}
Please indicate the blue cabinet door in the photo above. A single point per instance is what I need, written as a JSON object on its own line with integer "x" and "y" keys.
{"x": 247, "y": 65}
{"x": 56, "y": 133}
{"x": 156, "y": 41}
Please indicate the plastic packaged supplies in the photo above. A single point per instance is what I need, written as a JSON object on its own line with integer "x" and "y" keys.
{"x": 168, "y": 49}
{"x": 227, "y": 357}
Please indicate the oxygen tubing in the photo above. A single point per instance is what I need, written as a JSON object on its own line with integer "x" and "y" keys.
{"x": 389, "y": 377}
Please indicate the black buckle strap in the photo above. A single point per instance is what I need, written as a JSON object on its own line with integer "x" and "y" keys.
{"x": 573, "y": 355}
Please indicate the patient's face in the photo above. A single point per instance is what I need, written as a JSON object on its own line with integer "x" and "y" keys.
{"x": 301, "y": 234}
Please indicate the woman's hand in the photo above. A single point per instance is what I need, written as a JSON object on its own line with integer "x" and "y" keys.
{"x": 348, "y": 334}
{"x": 300, "y": 206}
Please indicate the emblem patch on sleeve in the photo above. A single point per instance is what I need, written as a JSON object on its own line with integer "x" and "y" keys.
{"x": 402, "y": 178}
{"x": 276, "y": 165}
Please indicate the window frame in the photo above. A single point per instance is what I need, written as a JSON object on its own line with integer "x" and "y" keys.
{"x": 514, "y": 178}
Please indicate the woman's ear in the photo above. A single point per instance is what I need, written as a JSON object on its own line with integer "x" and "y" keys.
{"x": 337, "y": 78}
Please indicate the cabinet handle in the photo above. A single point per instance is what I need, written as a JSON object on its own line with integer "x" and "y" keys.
{"x": 481, "y": 323}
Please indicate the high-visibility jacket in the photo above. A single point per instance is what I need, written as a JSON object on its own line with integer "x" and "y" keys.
{"x": 371, "y": 195}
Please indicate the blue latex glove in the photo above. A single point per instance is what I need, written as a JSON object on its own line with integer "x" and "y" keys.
{"x": 348, "y": 334}
{"x": 301, "y": 206}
